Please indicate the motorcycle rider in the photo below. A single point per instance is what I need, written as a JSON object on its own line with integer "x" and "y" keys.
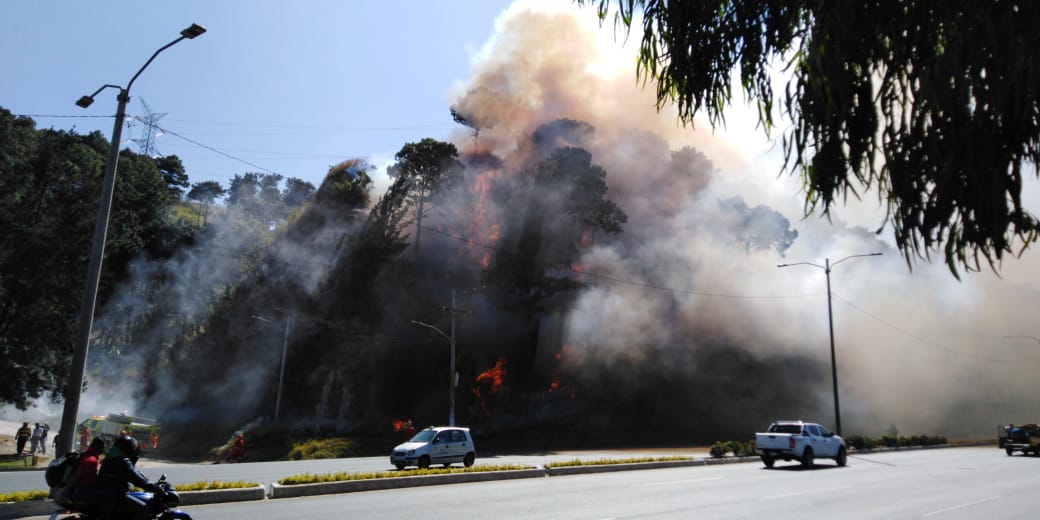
{"x": 118, "y": 472}
{"x": 80, "y": 488}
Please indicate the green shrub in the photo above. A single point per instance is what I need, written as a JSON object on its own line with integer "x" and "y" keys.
{"x": 860, "y": 442}
{"x": 333, "y": 448}
{"x": 204, "y": 485}
{"x": 719, "y": 449}
{"x": 741, "y": 449}
{"x": 311, "y": 478}
{"x": 24, "y": 496}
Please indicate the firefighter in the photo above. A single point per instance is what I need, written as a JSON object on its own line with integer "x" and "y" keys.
{"x": 237, "y": 449}
{"x": 84, "y": 438}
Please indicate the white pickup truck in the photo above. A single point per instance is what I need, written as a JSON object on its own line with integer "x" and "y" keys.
{"x": 798, "y": 440}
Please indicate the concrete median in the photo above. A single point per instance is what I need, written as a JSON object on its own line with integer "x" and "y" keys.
{"x": 351, "y": 486}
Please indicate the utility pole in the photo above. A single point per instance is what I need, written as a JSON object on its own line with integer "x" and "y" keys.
{"x": 453, "y": 378}
{"x": 827, "y": 265}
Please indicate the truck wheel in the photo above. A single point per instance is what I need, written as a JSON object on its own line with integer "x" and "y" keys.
{"x": 807, "y": 458}
{"x": 842, "y": 458}
{"x": 399, "y": 466}
{"x": 1009, "y": 451}
{"x": 424, "y": 462}
{"x": 768, "y": 461}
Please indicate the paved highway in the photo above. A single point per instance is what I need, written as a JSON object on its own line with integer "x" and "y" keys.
{"x": 957, "y": 483}
{"x": 268, "y": 472}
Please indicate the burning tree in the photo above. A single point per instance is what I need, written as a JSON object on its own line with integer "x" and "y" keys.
{"x": 425, "y": 171}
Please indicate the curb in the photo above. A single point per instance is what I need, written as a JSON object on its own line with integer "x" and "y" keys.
{"x": 30, "y": 508}
{"x": 213, "y": 496}
{"x": 351, "y": 486}
{"x": 605, "y": 468}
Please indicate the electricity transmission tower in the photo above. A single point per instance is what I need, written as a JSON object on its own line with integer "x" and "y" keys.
{"x": 151, "y": 130}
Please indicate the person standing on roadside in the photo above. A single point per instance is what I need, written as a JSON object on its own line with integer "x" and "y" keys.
{"x": 84, "y": 437}
{"x": 43, "y": 438}
{"x": 35, "y": 440}
{"x": 22, "y": 436}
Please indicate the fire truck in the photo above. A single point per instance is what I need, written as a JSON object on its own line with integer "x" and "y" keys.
{"x": 110, "y": 426}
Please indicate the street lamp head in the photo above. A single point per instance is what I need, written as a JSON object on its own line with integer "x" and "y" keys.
{"x": 84, "y": 101}
{"x": 193, "y": 31}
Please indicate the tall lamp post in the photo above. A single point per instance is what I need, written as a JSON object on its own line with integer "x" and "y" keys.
{"x": 281, "y": 371}
{"x": 827, "y": 265}
{"x": 74, "y": 385}
{"x": 451, "y": 382}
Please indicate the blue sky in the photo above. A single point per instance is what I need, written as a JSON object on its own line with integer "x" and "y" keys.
{"x": 292, "y": 87}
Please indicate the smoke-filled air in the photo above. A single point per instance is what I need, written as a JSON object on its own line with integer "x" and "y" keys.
{"x": 615, "y": 274}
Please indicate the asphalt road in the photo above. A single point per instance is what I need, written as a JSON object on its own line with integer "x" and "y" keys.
{"x": 956, "y": 483}
{"x": 268, "y": 472}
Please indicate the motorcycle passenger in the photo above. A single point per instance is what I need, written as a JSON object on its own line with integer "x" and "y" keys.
{"x": 80, "y": 489}
{"x": 115, "y": 478}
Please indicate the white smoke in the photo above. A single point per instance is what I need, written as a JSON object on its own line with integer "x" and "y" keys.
{"x": 916, "y": 349}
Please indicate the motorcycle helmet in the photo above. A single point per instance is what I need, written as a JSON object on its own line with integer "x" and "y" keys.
{"x": 129, "y": 446}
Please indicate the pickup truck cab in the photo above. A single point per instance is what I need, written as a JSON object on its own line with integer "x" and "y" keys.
{"x": 801, "y": 441}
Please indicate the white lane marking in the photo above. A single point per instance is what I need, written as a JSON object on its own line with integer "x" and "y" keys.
{"x": 800, "y": 493}
{"x": 671, "y": 482}
{"x": 961, "y": 506}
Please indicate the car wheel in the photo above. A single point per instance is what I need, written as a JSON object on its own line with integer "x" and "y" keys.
{"x": 468, "y": 461}
{"x": 399, "y": 466}
{"x": 424, "y": 462}
{"x": 768, "y": 461}
{"x": 842, "y": 457}
{"x": 807, "y": 458}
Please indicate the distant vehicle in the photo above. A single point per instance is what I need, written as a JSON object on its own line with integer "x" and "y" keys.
{"x": 1021, "y": 437}
{"x": 801, "y": 441}
{"x": 114, "y": 424}
{"x": 436, "y": 445}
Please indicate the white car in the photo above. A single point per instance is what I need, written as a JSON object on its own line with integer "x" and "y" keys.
{"x": 436, "y": 445}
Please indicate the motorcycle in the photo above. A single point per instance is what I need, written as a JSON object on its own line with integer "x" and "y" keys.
{"x": 161, "y": 505}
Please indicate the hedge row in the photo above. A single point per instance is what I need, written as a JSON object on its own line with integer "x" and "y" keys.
{"x": 859, "y": 442}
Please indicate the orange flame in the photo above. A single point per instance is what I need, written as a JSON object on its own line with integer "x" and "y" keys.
{"x": 494, "y": 375}
{"x": 398, "y": 425}
{"x": 556, "y": 385}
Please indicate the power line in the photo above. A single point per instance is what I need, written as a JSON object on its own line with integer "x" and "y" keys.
{"x": 210, "y": 148}
{"x": 927, "y": 342}
{"x": 64, "y": 116}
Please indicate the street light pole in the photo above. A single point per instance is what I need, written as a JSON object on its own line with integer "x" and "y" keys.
{"x": 451, "y": 341}
{"x": 74, "y": 384}
{"x": 452, "y": 376}
{"x": 281, "y": 371}
{"x": 451, "y": 382}
{"x": 827, "y": 265}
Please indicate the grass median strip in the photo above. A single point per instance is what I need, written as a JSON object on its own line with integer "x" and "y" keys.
{"x": 311, "y": 478}
{"x": 24, "y": 496}
{"x": 605, "y": 461}
{"x": 202, "y": 485}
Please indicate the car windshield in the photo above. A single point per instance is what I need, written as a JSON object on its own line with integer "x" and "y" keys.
{"x": 423, "y": 436}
